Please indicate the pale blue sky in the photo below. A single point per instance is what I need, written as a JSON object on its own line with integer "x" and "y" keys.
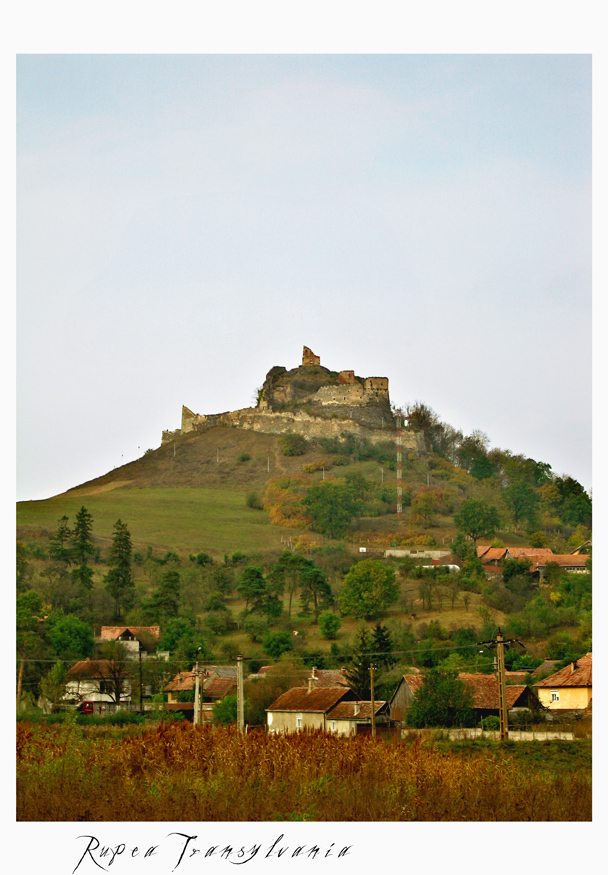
{"x": 185, "y": 222}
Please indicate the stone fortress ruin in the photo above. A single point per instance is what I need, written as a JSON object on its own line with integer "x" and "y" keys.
{"x": 312, "y": 401}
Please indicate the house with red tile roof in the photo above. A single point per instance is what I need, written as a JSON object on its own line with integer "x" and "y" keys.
{"x": 355, "y": 718}
{"x": 569, "y": 689}
{"x": 97, "y": 680}
{"x": 214, "y": 686}
{"x": 137, "y": 640}
{"x": 484, "y": 690}
{"x": 301, "y": 708}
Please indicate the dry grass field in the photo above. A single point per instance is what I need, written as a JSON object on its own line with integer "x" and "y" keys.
{"x": 177, "y": 772}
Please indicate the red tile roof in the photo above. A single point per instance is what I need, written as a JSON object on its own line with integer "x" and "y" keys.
{"x": 568, "y": 560}
{"x": 217, "y": 688}
{"x": 182, "y": 682}
{"x": 317, "y": 701}
{"x": 111, "y": 633}
{"x": 348, "y": 710}
{"x": 88, "y": 669}
{"x": 484, "y": 688}
{"x": 491, "y": 554}
{"x": 577, "y": 674}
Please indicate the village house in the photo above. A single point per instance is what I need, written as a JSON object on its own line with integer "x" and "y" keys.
{"x": 99, "y": 681}
{"x": 304, "y": 708}
{"x": 568, "y": 690}
{"x": 138, "y": 641}
{"x": 217, "y": 682}
{"x": 484, "y": 689}
{"x": 539, "y": 558}
{"x": 355, "y": 718}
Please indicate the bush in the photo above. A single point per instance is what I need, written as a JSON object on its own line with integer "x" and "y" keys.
{"x": 275, "y": 644}
{"x": 292, "y": 445}
{"x": 244, "y": 457}
{"x": 253, "y": 500}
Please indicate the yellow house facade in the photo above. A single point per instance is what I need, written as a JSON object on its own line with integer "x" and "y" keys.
{"x": 569, "y": 689}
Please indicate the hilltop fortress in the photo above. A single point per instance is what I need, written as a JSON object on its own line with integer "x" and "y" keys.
{"x": 312, "y": 401}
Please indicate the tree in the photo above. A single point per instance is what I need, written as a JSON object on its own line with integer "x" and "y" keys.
{"x": 426, "y": 503}
{"x": 60, "y": 544}
{"x": 275, "y": 644}
{"x": 119, "y": 579}
{"x": 332, "y": 507}
{"x": 252, "y": 587}
{"x": 369, "y": 589}
{"x": 329, "y": 623}
{"x": 113, "y": 668}
{"x": 358, "y": 675}
{"x": 29, "y": 607}
{"x": 477, "y": 519}
{"x": 314, "y": 587}
{"x": 225, "y": 710}
{"x": 83, "y": 549}
{"x": 442, "y": 700}
{"x": 70, "y": 637}
{"x": 522, "y": 500}
{"x": 52, "y": 685}
{"x": 382, "y": 647}
{"x": 164, "y": 603}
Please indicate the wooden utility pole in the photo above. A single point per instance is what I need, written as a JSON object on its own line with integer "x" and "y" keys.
{"x": 371, "y": 676}
{"x": 500, "y": 643}
{"x": 197, "y": 693}
{"x": 240, "y": 699}
{"x": 502, "y": 687}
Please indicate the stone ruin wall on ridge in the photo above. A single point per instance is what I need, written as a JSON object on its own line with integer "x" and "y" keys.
{"x": 312, "y": 401}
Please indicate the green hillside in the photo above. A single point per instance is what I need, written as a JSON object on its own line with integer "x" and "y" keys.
{"x": 202, "y": 511}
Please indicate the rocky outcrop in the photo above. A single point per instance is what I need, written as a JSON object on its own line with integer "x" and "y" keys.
{"x": 310, "y": 400}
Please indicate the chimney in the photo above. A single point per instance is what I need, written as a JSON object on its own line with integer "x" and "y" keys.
{"x": 357, "y": 707}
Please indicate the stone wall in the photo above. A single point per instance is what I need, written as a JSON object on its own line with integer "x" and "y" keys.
{"x": 298, "y": 422}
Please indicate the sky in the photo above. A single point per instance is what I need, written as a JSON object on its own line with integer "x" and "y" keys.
{"x": 186, "y": 222}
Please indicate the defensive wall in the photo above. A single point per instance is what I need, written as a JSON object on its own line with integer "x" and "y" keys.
{"x": 312, "y": 401}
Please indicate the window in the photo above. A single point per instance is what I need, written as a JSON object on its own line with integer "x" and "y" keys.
{"x": 333, "y": 725}
{"x": 555, "y": 695}
{"x": 299, "y": 721}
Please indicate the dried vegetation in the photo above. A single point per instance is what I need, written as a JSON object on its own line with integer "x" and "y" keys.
{"x": 176, "y": 772}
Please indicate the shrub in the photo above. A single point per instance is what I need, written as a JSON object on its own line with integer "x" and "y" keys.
{"x": 253, "y": 500}
{"x": 292, "y": 445}
{"x": 244, "y": 457}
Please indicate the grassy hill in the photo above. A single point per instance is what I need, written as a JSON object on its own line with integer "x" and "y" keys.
{"x": 192, "y": 496}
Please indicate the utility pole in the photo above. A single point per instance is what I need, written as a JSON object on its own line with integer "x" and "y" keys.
{"x": 141, "y": 683}
{"x": 240, "y": 701}
{"x": 502, "y": 684}
{"x": 500, "y": 643}
{"x": 197, "y": 692}
{"x": 371, "y": 676}
{"x": 399, "y": 459}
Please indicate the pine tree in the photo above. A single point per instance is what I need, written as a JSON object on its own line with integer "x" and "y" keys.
{"x": 358, "y": 675}
{"x": 82, "y": 548}
{"x": 119, "y": 579}
{"x": 382, "y": 648}
{"x": 60, "y": 547}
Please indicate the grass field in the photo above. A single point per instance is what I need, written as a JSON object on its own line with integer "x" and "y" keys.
{"x": 177, "y": 772}
{"x": 171, "y": 518}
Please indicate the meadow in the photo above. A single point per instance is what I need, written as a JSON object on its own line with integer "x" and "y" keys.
{"x": 177, "y": 772}
{"x": 169, "y": 518}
